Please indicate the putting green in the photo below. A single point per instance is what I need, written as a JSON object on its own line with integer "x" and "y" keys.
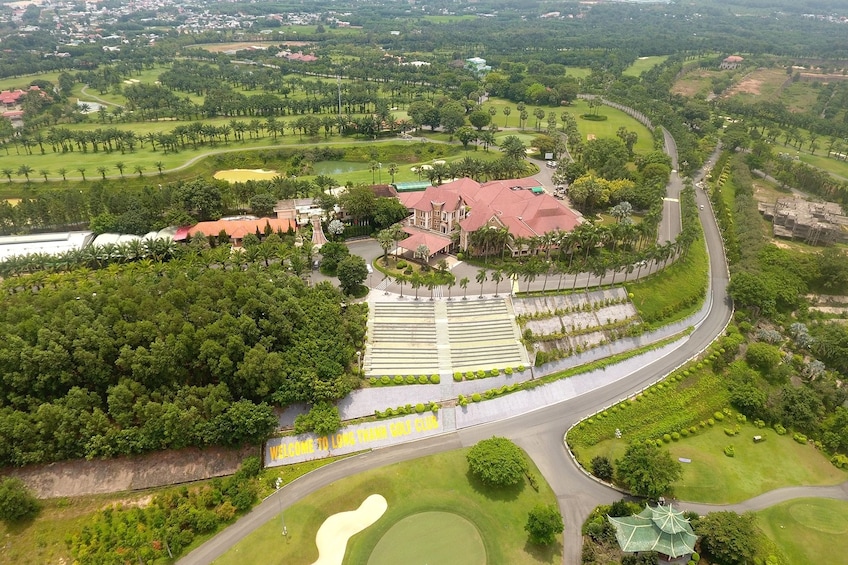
{"x": 812, "y": 516}
{"x": 430, "y": 537}
{"x": 244, "y": 175}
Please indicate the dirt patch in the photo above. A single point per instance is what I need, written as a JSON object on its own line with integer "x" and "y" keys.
{"x": 221, "y": 47}
{"x": 81, "y": 477}
{"x": 747, "y": 86}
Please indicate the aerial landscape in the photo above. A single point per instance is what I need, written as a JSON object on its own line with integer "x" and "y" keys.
{"x": 367, "y": 282}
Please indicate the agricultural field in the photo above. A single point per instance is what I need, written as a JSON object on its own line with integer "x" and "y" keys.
{"x": 697, "y": 82}
{"x": 643, "y": 64}
{"x": 758, "y": 85}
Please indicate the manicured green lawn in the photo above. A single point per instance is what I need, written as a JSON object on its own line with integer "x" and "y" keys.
{"x": 756, "y": 468}
{"x": 643, "y": 64}
{"x": 808, "y": 530}
{"x": 23, "y": 81}
{"x": 434, "y": 483}
{"x": 430, "y": 537}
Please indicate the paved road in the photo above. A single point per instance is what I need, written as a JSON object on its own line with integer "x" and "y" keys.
{"x": 540, "y": 433}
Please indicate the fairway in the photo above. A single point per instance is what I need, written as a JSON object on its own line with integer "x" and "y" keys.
{"x": 430, "y": 537}
{"x": 712, "y": 477}
{"x": 807, "y": 530}
{"x": 437, "y": 483}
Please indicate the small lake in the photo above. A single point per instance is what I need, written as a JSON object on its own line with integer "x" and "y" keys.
{"x": 338, "y": 167}
{"x": 244, "y": 175}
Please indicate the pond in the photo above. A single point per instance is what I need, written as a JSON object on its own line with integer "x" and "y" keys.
{"x": 337, "y": 167}
{"x": 243, "y": 175}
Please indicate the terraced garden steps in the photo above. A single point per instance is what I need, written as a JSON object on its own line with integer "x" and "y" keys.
{"x": 407, "y": 337}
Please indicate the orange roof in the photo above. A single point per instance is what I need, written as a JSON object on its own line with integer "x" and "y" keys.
{"x": 237, "y": 229}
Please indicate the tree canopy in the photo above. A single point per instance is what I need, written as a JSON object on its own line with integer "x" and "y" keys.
{"x": 647, "y": 470}
{"x": 497, "y": 462}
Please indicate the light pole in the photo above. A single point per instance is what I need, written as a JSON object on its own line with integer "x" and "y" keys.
{"x": 359, "y": 361}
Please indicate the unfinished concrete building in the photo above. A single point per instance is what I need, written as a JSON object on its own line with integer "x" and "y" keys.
{"x": 816, "y": 223}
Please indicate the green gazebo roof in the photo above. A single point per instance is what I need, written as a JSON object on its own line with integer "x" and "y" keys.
{"x": 660, "y": 529}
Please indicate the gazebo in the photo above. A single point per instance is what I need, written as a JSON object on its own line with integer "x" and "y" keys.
{"x": 661, "y": 529}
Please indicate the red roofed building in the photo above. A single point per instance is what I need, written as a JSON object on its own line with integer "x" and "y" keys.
{"x": 732, "y": 62}
{"x": 11, "y": 99}
{"x": 236, "y": 229}
{"x": 519, "y": 205}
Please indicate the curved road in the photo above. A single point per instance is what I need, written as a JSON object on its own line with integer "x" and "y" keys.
{"x": 540, "y": 433}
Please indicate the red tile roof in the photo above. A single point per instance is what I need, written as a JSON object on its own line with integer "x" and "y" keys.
{"x": 509, "y": 201}
{"x": 432, "y": 241}
{"x": 236, "y": 229}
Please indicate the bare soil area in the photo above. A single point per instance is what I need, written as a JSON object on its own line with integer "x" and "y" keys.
{"x": 82, "y": 477}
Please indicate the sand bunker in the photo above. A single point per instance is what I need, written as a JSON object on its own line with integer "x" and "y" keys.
{"x": 243, "y": 175}
{"x": 336, "y": 530}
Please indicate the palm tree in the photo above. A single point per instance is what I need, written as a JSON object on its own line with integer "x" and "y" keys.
{"x": 25, "y": 170}
{"x": 140, "y": 170}
{"x": 82, "y": 172}
{"x": 159, "y": 166}
{"x": 102, "y": 170}
{"x": 44, "y": 173}
{"x": 7, "y": 172}
{"x": 120, "y": 166}
{"x": 481, "y": 278}
{"x": 63, "y": 171}
{"x": 400, "y": 279}
{"x": 506, "y": 112}
{"x": 463, "y": 283}
{"x": 450, "y": 284}
{"x": 416, "y": 281}
{"x": 393, "y": 169}
{"x": 497, "y": 277}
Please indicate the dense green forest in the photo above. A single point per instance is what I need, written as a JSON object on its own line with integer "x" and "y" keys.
{"x": 151, "y": 356}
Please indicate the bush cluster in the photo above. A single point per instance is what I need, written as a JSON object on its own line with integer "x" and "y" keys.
{"x": 386, "y": 380}
{"x": 172, "y": 520}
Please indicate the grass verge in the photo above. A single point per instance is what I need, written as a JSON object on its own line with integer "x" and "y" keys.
{"x": 674, "y": 293}
{"x": 435, "y": 483}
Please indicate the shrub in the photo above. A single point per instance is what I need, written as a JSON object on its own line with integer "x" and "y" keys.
{"x": 696, "y": 557}
{"x": 469, "y": 375}
{"x": 800, "y": 438}
{"x": 675, "y": 436}
{"x": 780, "y": 430}
{"x": 16, "y": 501}
{"x": 481, "y": 374}
{"x": 462, "y": 400}
{"x": 401, "y": 264}
{"x": 508, "y": 371}
{"x": 372, "y": 381}
{"x": 435, "y": 379}
{"x": 423, "y": 380}
{"x": 730, "y": 431}
{"x": 759, "y": 423}
{"x": 495, "y": 372}
{"x": 602, "y": 468}
{"x": 729, "y": 451}
{"x": 476, "y": 397}
{"x": 718, "y": 416}
{"x": 434, "y": 407}
{"x": 410, "y": 380}
{"x": 521, "y": 368}
{"x": 457, "y": 377}
{"x": 710, "y": 422}
{"x": 667, "y": 438}
{"x": 684, "y": 432}
{"x": 841, "y": 461}
{"x": 398, "y": 380}
{"x": 419, "y": 408}
{"x": 693, "y": 430}
{"x": 385, "y": 380}
{"x": 497, "y": 462}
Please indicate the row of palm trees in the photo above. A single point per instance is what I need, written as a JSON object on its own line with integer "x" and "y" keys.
{"x": 597, "y": 268}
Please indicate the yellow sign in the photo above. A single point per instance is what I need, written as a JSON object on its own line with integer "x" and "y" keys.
{"x": 351, "y": 438}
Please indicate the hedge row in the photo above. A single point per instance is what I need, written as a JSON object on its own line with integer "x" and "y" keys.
{"x": 386, "y": 380}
